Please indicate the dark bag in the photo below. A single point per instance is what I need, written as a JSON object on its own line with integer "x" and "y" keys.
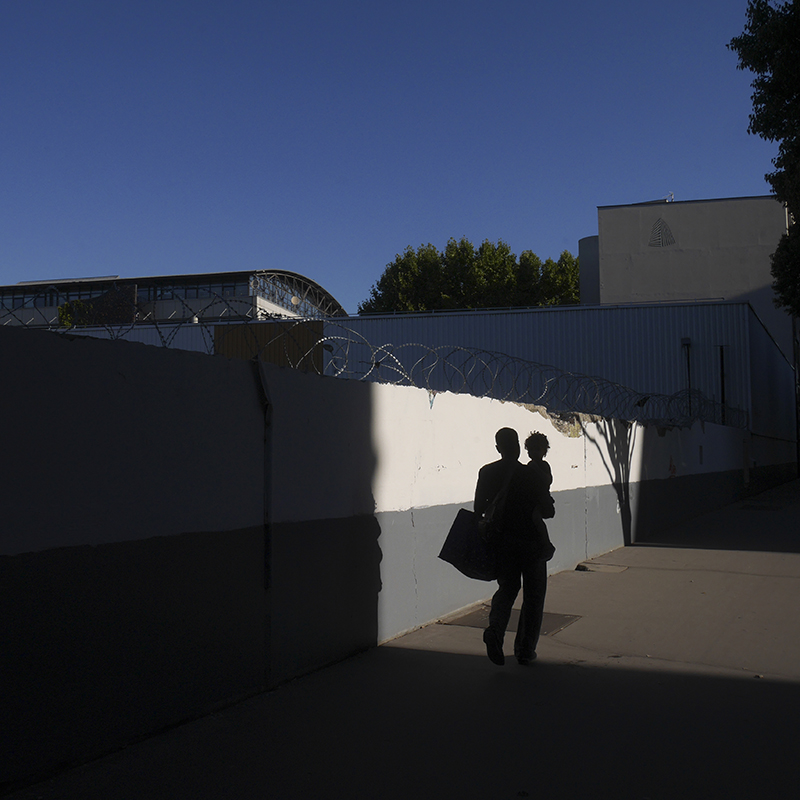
{"x": 467, "y": 550}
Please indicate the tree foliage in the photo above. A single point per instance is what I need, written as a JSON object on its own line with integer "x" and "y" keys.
{"x": 114, "y": 307}
{"x": 770, "y": 48}
{"x": 465, "y": 276}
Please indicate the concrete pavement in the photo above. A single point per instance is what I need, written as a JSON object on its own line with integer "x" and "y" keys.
{"x": 679, "y": 679}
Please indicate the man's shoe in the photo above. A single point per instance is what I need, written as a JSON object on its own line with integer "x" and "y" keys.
{"x": 493, "y": 647}
{"x": 525, "y": 660}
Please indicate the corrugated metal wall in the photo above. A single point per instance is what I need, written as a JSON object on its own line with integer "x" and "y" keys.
{"x": 640, "y": 347}
{"x": 719, "y": 349}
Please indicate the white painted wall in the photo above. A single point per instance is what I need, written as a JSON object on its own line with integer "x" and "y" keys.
{"x": 135, "y": 506}
{"x": 429, "y": 447}
{"x": 425, "y": 449}
{"x": 411, "y": 458}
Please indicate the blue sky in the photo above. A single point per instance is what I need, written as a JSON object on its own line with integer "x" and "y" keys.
{"x": 146, "y": 138}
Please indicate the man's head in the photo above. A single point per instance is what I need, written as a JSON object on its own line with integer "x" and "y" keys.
{"x": 507, "y": 443}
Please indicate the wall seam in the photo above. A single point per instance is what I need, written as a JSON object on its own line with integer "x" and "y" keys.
{"x": 585, "y": 501}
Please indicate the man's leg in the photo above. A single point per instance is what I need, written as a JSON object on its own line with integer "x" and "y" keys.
{"x": 509, "y": 581}
{"x": 534, "y": 588}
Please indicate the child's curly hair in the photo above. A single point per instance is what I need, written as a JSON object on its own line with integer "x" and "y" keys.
{"x": 537, "y": 441}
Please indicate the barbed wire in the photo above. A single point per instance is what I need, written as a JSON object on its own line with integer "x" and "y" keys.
{"x": 485, "y": 373}
{"x": 222, "y": 325}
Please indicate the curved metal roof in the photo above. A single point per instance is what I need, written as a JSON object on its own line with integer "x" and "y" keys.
{"x": 301, "y": 294}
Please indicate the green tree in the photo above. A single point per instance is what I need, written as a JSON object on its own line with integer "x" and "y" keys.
{"x": 770, "y": 48}
{"x": 529, "y": 277}
{"x": 561, "y": 281}
{"x": 497, "y": 268}
{"x": 459, "y": 273}
{"x": 464, "y": 276}
{"x": 114, "y": 307}
{"x": 552, "y": 283}
{"x": 478, "y": 278}
{"x": 75, "y": 313}
{"x": 414, "y": 281}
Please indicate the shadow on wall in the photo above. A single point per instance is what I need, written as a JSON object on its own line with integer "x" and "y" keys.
{"x": 132, "y": 550}
{"x": 648, "y": 507}
{"x": 173, "y": 539}
{"x": 325, "y": 557}
{"x": 739, "y": 526}
{"x": 614, "y": 441}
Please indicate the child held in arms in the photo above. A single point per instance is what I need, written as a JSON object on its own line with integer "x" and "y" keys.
{"x": 537, "y": 446}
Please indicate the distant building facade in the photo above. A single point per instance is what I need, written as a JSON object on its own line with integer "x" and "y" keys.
{"x": 210, "y": 297}
{"x": 688, "y": 250}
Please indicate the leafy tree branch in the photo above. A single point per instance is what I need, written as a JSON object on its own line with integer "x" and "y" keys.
{"x": 769, "y": 47}
{"x": 465, "y": 276}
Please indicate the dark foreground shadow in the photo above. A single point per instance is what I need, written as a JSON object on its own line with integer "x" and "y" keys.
{"x": 401, "y": 723}
{"x": 192, "y": 543}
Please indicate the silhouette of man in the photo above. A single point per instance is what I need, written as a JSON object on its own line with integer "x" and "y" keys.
{"x": 520, "y": 560}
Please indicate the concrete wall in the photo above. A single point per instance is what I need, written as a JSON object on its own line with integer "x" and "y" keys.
{"x": 704, "y": 249}
{"x": 132, "y": 547}
{"x": 180, "y": 530}
{"x": 408, "y": 460}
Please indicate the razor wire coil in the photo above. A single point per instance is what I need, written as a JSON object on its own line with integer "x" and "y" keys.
{"x": 342, "y": 352}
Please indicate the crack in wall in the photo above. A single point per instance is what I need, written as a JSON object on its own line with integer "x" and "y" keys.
{"x": 567, "y": 423}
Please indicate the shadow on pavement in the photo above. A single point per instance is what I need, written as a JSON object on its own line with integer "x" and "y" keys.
{"x": 402, "y": 723}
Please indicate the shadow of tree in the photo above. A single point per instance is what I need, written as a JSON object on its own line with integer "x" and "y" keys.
{"x": 614, "y": 442}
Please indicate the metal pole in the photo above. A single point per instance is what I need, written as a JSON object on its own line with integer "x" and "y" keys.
{"x": 722, "y": 379}
{"x": 687, "y": 344}
{"x": 796, "y": 344}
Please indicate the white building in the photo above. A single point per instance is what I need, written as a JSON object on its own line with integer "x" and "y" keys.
{"x": 688, "y": 250}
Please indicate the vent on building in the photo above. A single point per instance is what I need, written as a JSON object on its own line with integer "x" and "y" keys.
{"x": 661, "y": 235}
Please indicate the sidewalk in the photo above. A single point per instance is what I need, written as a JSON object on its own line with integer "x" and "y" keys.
{"x": 680, "y": 678}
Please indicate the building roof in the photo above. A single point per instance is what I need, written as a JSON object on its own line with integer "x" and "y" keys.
{"x": 671, "y": 201}
{"x": 290, "y": 290}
